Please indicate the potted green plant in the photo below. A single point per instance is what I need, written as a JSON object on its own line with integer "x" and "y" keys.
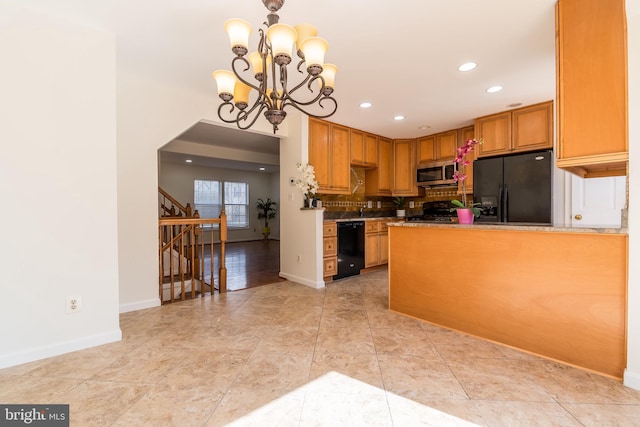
{"x": 466, "y": 212}
{"x": 399, "y": 202}
{"x": 266, "y": 211}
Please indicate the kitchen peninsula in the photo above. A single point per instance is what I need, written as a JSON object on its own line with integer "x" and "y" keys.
{"x": 556, "y": 292}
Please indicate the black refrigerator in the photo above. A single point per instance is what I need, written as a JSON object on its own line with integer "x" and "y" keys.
{"x": 514, "y": 188}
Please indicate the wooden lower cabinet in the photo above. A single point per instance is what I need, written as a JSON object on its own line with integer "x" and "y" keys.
{"x": 371, "y": 250}
{"x": 330, "y": 249}
{"x": 376, "y": 243}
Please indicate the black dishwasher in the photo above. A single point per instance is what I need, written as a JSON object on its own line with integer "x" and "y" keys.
{"x": 350, "y": 248}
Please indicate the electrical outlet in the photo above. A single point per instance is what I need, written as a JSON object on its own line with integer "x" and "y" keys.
{"x": 299, "y": 258}
{"x": 74, "y": 304}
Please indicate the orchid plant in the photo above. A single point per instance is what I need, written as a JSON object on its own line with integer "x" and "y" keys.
{"x": 461, "y": 175}
{"x": 307, "y": 184}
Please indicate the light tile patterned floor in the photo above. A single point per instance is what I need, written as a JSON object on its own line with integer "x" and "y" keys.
{"x": 288, "y": 355}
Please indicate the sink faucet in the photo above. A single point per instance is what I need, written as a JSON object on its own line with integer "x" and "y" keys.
{"x": 362, "y": 211}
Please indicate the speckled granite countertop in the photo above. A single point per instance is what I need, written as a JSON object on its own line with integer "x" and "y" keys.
{"x": 370, "y": 218}
{"x": 512, "y": 227}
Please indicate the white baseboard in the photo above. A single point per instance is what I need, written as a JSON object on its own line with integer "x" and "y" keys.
{"x": 631, "y": 379}
{"x": 38, "y": 353}
{"x": 139, "y": 305}
{"x": 302, "y": 280}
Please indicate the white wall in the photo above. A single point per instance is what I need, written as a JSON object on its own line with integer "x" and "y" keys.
{"x": 301, "y": 231}
{"x": 58, "y": 186}
{"x": 632, "y": 373}
{"x": 177, "y": 180}
{"x": 150, "y": 113}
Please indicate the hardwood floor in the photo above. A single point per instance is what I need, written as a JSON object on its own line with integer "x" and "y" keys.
{"x": 249, "y": 264}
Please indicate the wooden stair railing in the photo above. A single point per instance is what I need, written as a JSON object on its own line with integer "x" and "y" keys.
{"x": 170, "y": 207}
{"x": 184, "y": 251}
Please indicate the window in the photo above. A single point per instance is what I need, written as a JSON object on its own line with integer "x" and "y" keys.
{"x": 208, "y": 197}
{"x": 236, "y": 204}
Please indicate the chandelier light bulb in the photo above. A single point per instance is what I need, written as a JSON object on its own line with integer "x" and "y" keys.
{"x": 281, "y": 37}
{"x": 241, "y": 95}
{"x": 304, "y": 32}
{"x": 314, "y": 49}
{"x": 238, "y": 31}
{"x": 329, "y": 72}
{"x": 226, "y": 82}
{"x": 256, "y": 63}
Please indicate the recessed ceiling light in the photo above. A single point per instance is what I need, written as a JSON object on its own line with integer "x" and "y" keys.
{"x": 262, "y": 169}
{"x": 493, "y": 89}
{"x": 425, "y": 127}
{"x": 467, "y": 66}
{"x": 188, "y": 160}
{"x": 514, "y": 105}
{"x": 398, "y": 117}
{"x": 365, "y": 105}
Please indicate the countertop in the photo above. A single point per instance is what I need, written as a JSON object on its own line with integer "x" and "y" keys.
{"x": 365, "y": 218}
{"x": 511, "y": 227}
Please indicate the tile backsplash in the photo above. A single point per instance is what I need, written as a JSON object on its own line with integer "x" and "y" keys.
{"x": 334, "y": 203}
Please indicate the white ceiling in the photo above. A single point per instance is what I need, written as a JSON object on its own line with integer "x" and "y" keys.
{"x": 402, "y": 56}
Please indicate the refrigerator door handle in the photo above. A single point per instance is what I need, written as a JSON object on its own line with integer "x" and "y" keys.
{"x": 505, "y": 204}
{"x": 500, "y": 191}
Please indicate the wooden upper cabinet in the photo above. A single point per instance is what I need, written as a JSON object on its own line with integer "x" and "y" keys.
{"x": 426, "y": 149}
{"x": 319, "y": 147}
{"x": 446, "y": 145}
{"x": 340, "y": 167}
{"x": 364, "y": 149}
{"x": 329, "y": 153}
{"x": 592, "y": 87}
{"x": 525, "y": 129}
{"x": 378, "y": 181}
{"x": 466, "y": 134}
{"x": 495, "y": 130}
{"x": 404, "y": 168}
{"x": 357, "y": 147}
{"x": 439, "y": 147}
{"x": 532, "y": 127}
{"x": 370, "y": 150}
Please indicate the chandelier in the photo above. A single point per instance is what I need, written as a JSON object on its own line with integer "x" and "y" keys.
{"x": 269, "y": 85}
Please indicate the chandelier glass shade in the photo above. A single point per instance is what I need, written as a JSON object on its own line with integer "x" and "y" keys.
{"x": 259, "y": 81}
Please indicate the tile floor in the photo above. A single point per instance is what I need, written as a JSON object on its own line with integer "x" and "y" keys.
{"x": 288, "y": 355}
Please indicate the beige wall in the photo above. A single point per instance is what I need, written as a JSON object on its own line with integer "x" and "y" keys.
{"x": 57, "y": 185}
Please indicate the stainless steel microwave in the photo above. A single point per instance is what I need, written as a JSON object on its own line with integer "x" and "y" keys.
{"x": 437, "y": 173}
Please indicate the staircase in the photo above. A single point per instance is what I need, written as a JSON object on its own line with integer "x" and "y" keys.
{"x": 184, "y": 240}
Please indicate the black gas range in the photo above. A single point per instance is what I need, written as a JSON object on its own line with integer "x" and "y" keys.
{"x": 435, "y": 212}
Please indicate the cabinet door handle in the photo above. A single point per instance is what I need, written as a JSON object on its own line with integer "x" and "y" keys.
{"x": 578, "y": 217}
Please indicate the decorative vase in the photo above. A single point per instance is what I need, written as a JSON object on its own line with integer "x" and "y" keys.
{"x": 308, "y": 203}
{"x": 465, "y": 216}
{"x": 400, "y": 213}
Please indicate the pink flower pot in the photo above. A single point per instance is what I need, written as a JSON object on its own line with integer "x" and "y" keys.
{"x": 465, "y": 216}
